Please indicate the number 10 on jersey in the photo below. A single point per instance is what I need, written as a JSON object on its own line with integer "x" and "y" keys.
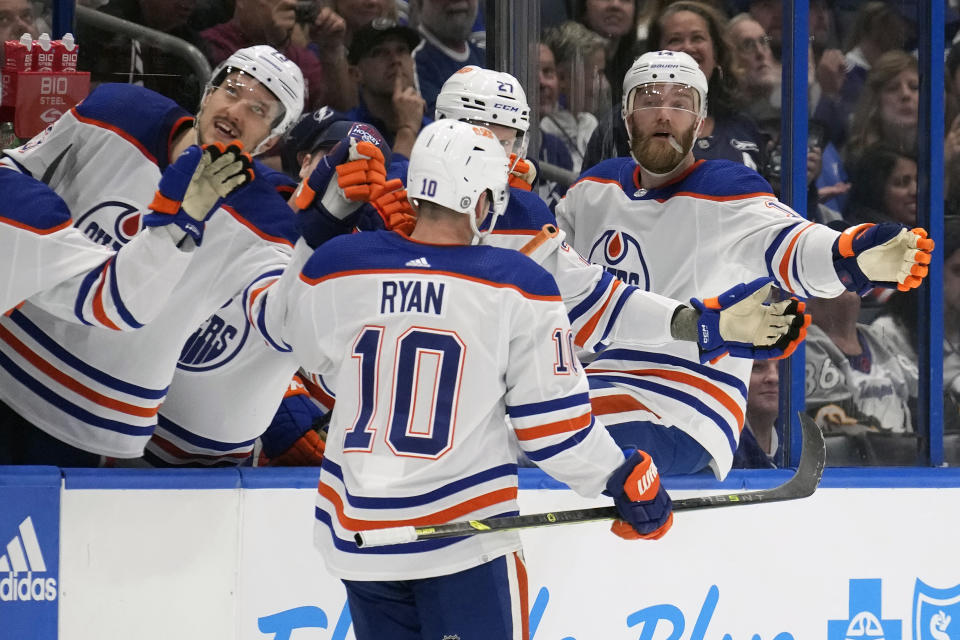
{"x": 425, "y": 388}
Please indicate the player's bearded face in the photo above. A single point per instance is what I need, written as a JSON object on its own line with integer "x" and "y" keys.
{"x": 239, "y": 109}
{"x": 656, "y": 152}
{"x": 662, "y": 125}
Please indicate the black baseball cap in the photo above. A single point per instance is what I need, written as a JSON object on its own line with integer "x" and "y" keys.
{"x": 309, "y": 135}
{"x": 368, "y": 37}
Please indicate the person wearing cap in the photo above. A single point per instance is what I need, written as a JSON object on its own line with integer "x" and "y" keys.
{"x": 382, "y": 66}
{"x": 673, "y": 225}
{"x": 77, "y": 392}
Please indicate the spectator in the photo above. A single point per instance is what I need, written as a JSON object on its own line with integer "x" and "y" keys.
{"x": 271, "y": 22}
{"x": 853, "y": 376}
{"x": 696, "y": 29}
{"x": 324, "y": 32}
{"x": 884, "y": 187}
{"x": 888, "y": 109}
{"x": 899, "y": 327}
{"x": 615, "y": 20}
{"x": 769, "y": 14}
{"x": 761, "y": 439}
{"x": 115, "y": 57}
{"x": 382, "y": 67}
{"x": 446, "y": 28}
{"x": 16, "y": 19}
{"x": 571, "y": 97}
{"x": 304, "y": 137}
{"x": 759, "y": 70}
{"x": 877, "y": 29}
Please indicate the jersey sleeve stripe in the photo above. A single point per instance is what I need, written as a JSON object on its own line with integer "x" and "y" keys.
{"x": 72, "y": 383}
{"x": 713, "y": 391}
{"x": 587, "y": 303}
{"x": 68, "y": 407}
{"x": 588, "y": 328}
{"x": 84, "y": 291}
{"x": 319, "y": 392}
{"x": 460, "y": 276}
{"x": 539, "y": 455}
{"x": 554, "y": 428}
{"x": 99, "y": 312}
{"x": 117, "y": 299}
{"x": 535, "y": 408}
{"x": 672, "y": 361}
{"x": 455, "y": 512}
{"x": 70, "y": 360}
{"x": 617, "y": 308}
{"x": 620, "y": 403}
{"x": 788, "y": 256}
{"x": 680, "y": 396}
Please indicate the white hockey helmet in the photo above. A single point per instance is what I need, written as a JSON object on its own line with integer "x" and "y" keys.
{"x": 452, "y": 163}
{"x": 485, "y": 96}
{"x": 274, "y": 71}
{"x": 664, "y": 67}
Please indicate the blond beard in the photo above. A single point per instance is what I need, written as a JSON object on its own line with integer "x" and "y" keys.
{"x": 660, "y": 158}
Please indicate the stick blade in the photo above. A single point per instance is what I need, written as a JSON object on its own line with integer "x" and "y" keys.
{"x": 813, "y": 457}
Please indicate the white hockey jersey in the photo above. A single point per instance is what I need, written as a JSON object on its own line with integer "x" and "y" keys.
{"x": 714, "y": 226}
{"x": 39, "y": 246}
{"x": 429, "y": 347}
{"x": 100, "y": 390}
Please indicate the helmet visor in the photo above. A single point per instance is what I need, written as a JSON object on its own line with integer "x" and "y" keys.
{"x": 665, "y": 95}
{"x": 259, "y": 101}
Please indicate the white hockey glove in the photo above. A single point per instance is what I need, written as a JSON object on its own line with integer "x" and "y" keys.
{"x": 191, "y": 188}
{"x": 738, "y": 322}
{"x": 882, "y": 255}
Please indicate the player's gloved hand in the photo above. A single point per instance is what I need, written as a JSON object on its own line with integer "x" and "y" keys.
{"x": 882, "y": 255}
{"x": 394, "y": 207}
{"x": 359, "y": 163}
{"x": 190, "y": 189}
{"x": 738, "y": 322}
{"x": 306, "y": 451}
{"x": 522, "y": 173}
{"x": 292, "y": 438}
{"x": 644, "y": 505}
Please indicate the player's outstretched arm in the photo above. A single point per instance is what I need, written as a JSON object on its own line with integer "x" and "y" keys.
{"x": 191, "y": 188}
{"x": 326, "y": 205}
{"x": 740, "y": 323}
{"x": 882, "y": 255}
{"x": 645, "y": 508}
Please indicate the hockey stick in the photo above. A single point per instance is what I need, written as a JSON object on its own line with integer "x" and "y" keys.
{"x": 801, "y": 485}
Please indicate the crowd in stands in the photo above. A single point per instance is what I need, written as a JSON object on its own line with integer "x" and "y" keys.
{"x": 384, "y": 61}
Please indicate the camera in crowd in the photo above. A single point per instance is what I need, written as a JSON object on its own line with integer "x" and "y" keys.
{"x": 306, "y": 11}
{"x": 816, "y": 139}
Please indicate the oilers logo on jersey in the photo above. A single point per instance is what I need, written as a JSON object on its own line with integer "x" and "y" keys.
{"x": 619, "y": 253}
{"x": 215, "y": 343}
{"x": 113, "y": 223}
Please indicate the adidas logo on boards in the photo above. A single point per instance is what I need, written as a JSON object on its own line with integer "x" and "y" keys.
{"x": 24, "y": 556}
{"x": 418, "y": 262}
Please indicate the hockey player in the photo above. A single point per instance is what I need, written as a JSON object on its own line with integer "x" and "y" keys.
{"x": 197, "y": 424}
{"x": 602, "y": 310}
{"x": 675, "y": 226}
{"x": 435, "y": 343}
{"x": 96, "y": 391}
